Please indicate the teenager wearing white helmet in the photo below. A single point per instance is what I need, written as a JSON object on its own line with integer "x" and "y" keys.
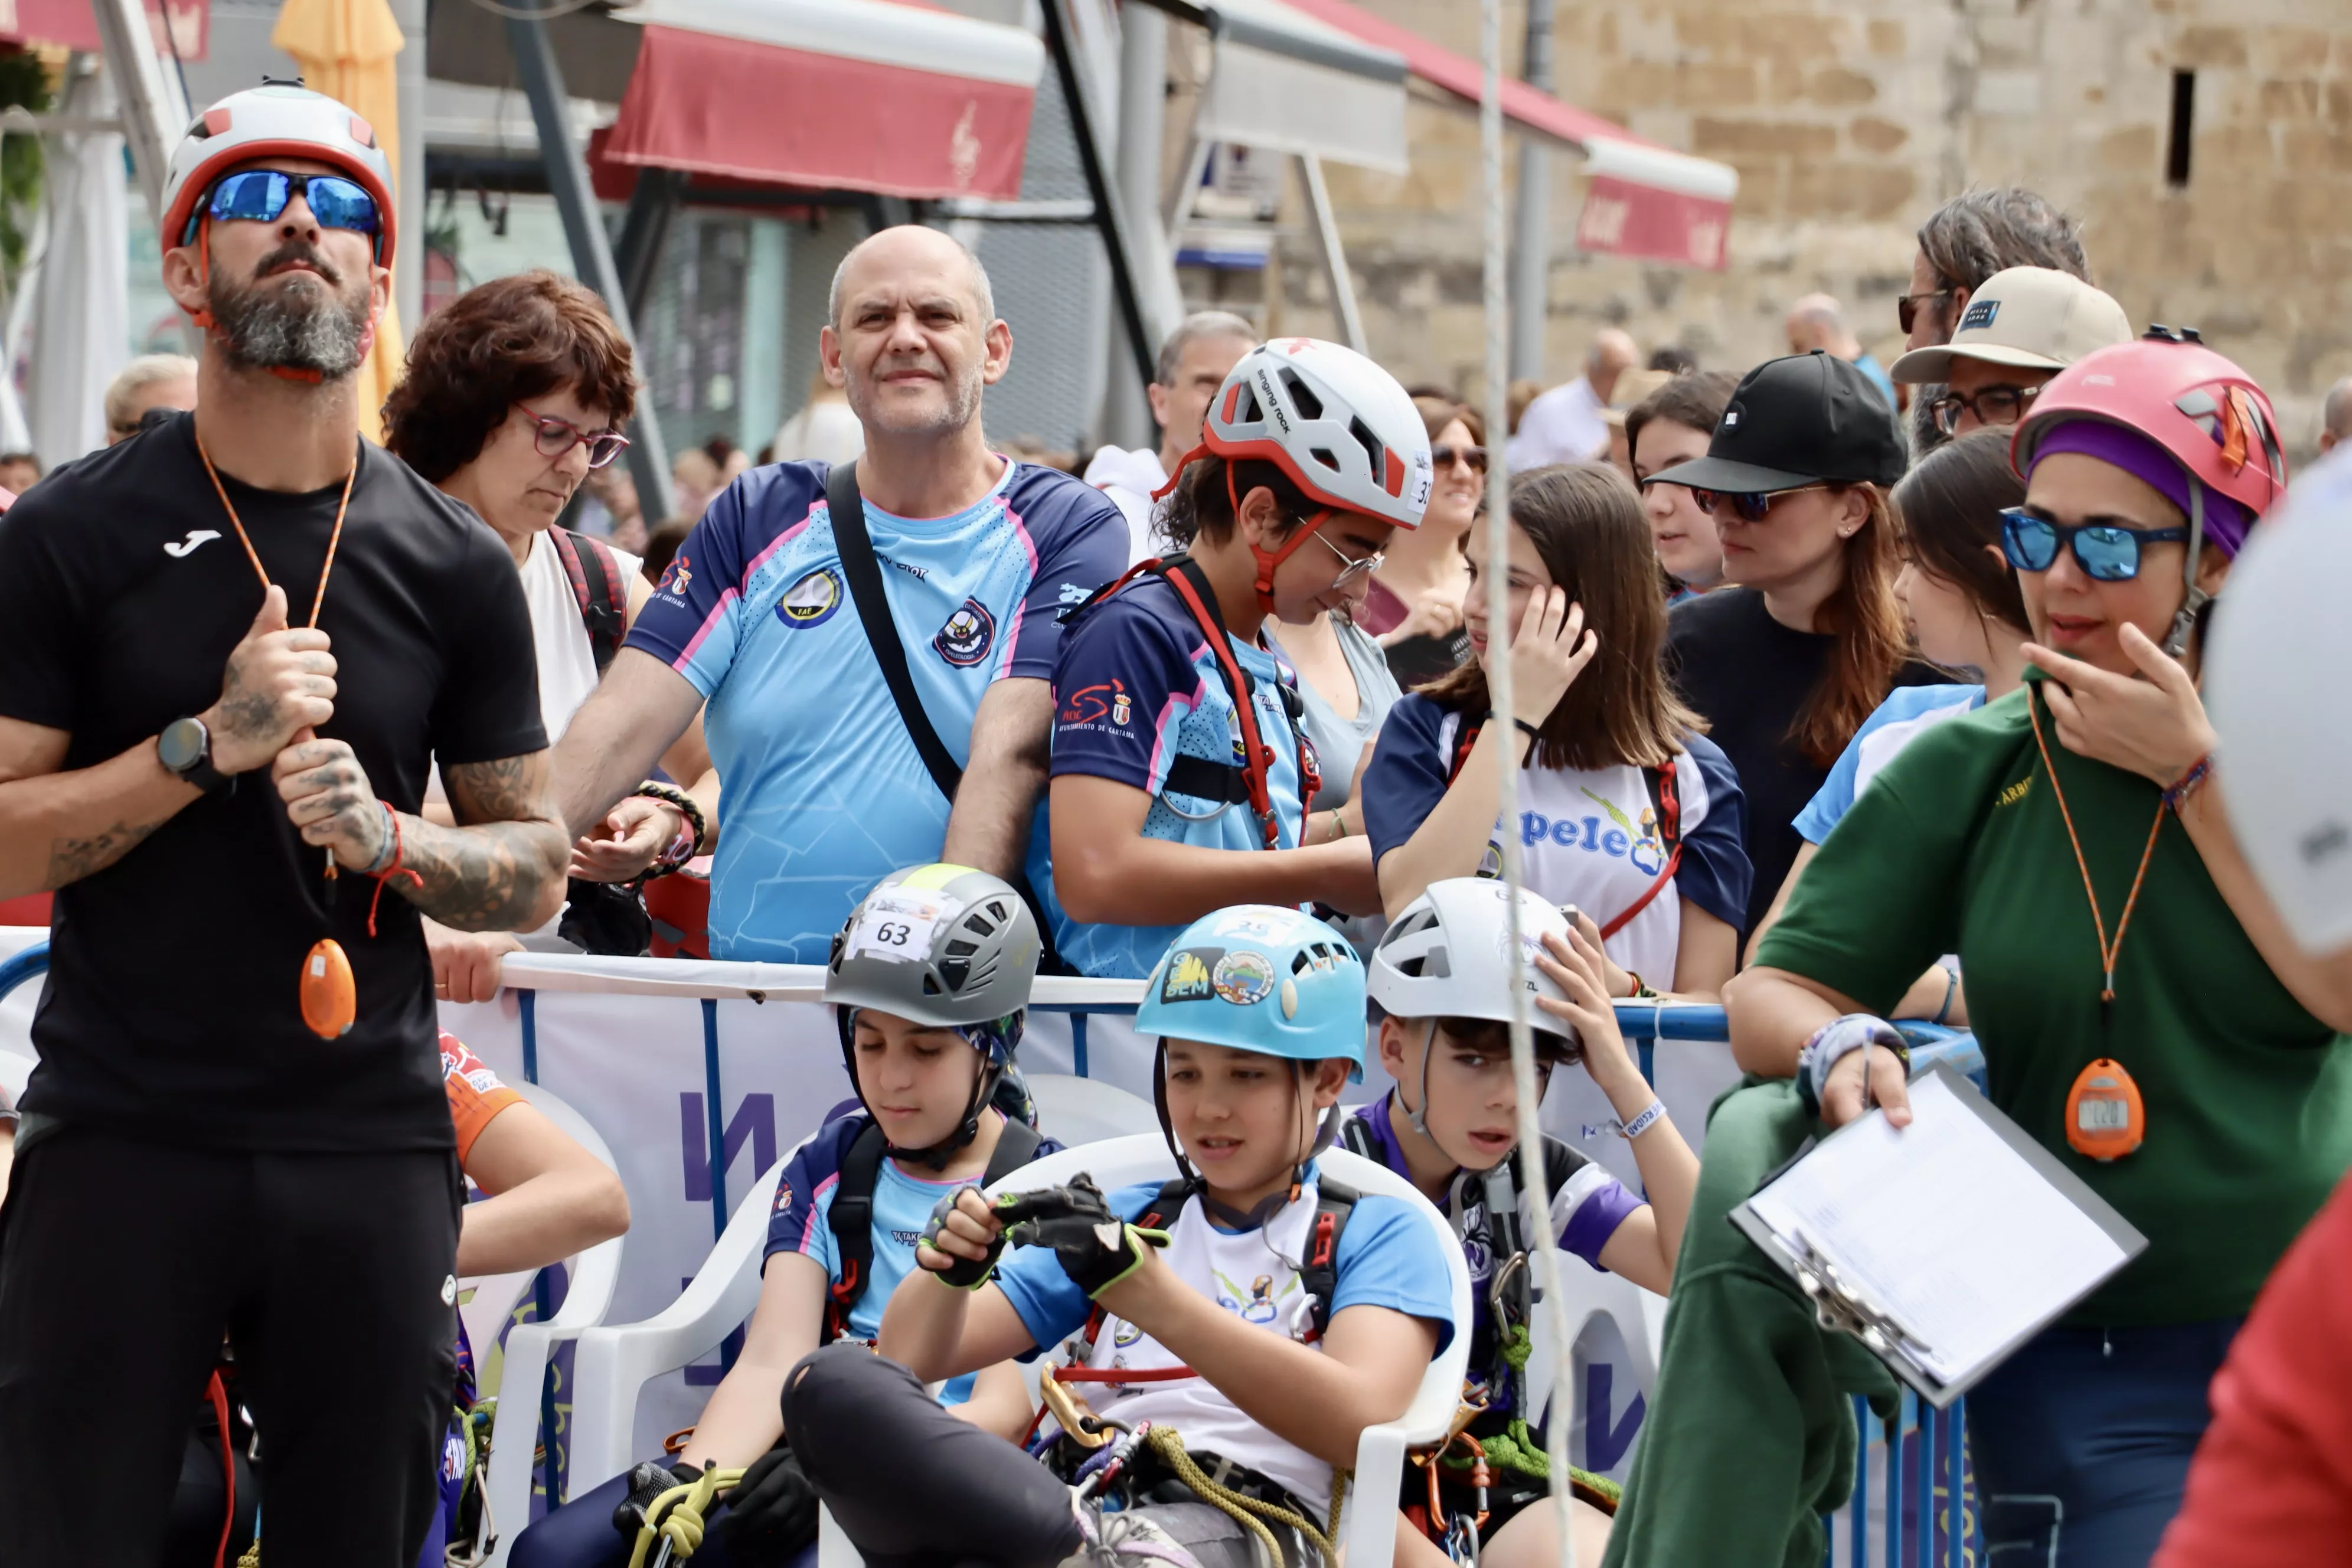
{"x": 1442, "y": 974}
{"x": 277, "y": 1136}
{"x": 1177, "y": 731}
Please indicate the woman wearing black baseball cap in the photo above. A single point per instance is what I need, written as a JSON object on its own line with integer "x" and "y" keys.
{"x": 1806, "y": 639}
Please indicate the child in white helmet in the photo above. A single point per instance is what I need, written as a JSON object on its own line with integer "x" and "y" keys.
{"x": 1262, "y": 1312}
{"x": 929, "y": 980}
{"x": 1443, "y": 975}
{"x": 1178, "y": 732}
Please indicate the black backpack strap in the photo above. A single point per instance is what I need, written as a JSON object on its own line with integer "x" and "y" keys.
{"x": 1157, "y": 1214}
{"x": 1356, "y": 1138}
{"x": 1016, "y": 1145}
{"x": 862, "y": 571}
{"x": 851, "y": 1220}
{"x": 1319, "y": 1271}
{"x": 594, "y": 573}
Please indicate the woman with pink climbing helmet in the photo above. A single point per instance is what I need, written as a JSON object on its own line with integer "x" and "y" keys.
{"x": 2142, "y": 1011}
{"x": 1178, "y": 734}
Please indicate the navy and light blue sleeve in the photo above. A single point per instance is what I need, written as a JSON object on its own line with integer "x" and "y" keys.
{"x": 693, "y": 620}
{"x": 1715, "y": 873}
{"x": 1390, "y": 1256}
{"x": 1407, "y": 776}
{"x": 1121, "y": 690}
{"x": 796, "y": 1218}
{"x": 1079, "y": 540}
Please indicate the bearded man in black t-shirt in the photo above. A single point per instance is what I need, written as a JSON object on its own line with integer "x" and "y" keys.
{"x": 228, "y": 647}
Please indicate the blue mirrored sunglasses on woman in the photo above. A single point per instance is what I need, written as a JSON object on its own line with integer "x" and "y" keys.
{"x": 260, "y": 195}
{"x": 2107, "y": 552}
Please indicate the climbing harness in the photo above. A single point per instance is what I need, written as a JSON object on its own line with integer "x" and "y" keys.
{"x": 1225, "y": 783}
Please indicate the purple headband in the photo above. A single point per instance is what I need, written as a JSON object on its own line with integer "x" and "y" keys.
{"x": 2226, "y": 520}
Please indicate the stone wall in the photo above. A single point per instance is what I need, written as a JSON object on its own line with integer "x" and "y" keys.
{"x": 1849, "y": 120}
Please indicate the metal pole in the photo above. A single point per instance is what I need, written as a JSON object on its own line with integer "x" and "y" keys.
{"x": 1109, "y": 215}
{"x": 1335, "y": 255}
{"x": 1142, "y": 116}
{"x": 584, "y": 227}
{"x": 154, "y": 111}
{"x": 1531, "y": 245}
{"x": 642, "y": 228}
{"x": 408, "y": 194}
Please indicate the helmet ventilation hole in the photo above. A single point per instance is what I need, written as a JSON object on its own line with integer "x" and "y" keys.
{"x": 1302, "y": 397}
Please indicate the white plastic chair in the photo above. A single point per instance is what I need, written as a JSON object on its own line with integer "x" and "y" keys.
{"x": 612, "y": 1365}
{"x": 1639, "y": 1315}
{"x": 1367, "y": 1534}
{"x": 1072, "y": 1110}
{"x": 506, "y": 1482}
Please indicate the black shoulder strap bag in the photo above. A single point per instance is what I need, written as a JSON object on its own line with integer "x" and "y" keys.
{"x": 862, "y": 571}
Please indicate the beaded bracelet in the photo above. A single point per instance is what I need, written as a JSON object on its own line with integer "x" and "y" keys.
{"x": 671, "y": 858}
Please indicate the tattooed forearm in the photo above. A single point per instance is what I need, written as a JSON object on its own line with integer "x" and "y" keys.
{"x": 497, "y": 876}
{"x": 504, "y": 869}
{"x": 71, "y": 860}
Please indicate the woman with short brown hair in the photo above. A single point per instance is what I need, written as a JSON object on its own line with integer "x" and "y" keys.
{"x": 1623, "y": 801}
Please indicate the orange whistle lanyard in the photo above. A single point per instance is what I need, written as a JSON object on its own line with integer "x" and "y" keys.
{"x": 318, "y": 598}
{"x": 2107, "y": 951}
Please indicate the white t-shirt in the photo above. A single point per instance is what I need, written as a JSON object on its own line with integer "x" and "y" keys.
{"x": 825, "y": 431}
{"x": 1128, "y": 479}
{"x": 567, "y": 667}
{"x": 1562, "y": 426}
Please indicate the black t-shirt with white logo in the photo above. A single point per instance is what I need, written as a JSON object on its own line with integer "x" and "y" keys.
{"x": 172, "y": 1005}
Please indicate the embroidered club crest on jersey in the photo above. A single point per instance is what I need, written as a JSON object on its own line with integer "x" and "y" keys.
{"x": 678, "y": 576}
{"x": 812, "y": 601}
{"x": 1120, "y": 708}
{"x": 1244, "y": 978}
{"x": 965, "y": 640}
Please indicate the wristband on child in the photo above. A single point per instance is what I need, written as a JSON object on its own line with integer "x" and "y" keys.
{"x": 1629, "y": 1130}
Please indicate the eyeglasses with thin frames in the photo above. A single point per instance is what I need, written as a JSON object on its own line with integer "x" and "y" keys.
{"x": 1352, "y": 569}
{"x": 556, "y": 437}
{"x": 2001, "y": 404}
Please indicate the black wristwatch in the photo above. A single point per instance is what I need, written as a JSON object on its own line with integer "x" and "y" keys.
{"x": 185, "y": 750}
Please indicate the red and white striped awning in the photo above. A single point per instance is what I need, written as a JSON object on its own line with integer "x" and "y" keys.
{"x": 863, "y": 95}
{"x": 1643, "y": 200}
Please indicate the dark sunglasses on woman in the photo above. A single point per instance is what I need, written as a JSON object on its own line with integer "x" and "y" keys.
{"x": 260, "y": 195}
{"x": 556, "y": 437}
{"x": 1444, "y": 456}
{"x": 1748, "y": 507}
{"x": 2106, "y": 552}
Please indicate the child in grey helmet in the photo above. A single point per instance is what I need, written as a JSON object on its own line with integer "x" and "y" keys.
{"x": 929, "y": 980}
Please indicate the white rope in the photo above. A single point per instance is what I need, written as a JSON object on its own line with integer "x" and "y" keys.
{"x": 1500, "y": 629}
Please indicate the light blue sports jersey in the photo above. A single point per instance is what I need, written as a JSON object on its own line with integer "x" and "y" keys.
{"x": 1907, "y": 712}
{"x": 1136, "y": 687}
{"x": 822, "y": 791}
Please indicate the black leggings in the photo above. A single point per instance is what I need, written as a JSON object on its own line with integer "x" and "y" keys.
{"x": 913, "y": 1486}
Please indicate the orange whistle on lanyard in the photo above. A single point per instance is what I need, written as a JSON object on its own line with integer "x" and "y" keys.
{"x": 2105, "y": 1119}
{"x": 330, "y": 996}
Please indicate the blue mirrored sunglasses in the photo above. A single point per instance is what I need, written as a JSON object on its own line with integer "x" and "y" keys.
{"x": 260, "y": 195}
{"x": 2107, "y": 552}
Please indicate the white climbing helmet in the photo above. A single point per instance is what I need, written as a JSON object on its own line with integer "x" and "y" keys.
{"x": 276, "y": 119}
{"x": 1336, "y": 423}
{"x": 1448, "y": 955}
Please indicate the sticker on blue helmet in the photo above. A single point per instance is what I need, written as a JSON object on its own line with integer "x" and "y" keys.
{"x": 1245, "y": 978}
{"x": 1188, "y": 976}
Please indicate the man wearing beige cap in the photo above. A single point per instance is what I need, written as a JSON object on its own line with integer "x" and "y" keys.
{"x": 2025, "y": 326}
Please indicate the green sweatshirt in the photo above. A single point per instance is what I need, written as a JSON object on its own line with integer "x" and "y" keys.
{"x": 1751, "y": 1436}
{"x": 1958, "y": 845}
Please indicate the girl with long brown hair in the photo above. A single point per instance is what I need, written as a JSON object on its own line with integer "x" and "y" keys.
{"x": 1627, "y": 812}
{"x": 1806, "y": 639}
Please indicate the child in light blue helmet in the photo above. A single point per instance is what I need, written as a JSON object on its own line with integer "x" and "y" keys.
{"x": 1268, "y": 1316}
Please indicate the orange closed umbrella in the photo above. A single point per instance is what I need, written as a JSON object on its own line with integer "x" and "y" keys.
{"x": 345, "y": 49}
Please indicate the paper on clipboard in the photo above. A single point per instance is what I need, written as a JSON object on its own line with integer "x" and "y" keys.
{"x": 1947, "y": 1227}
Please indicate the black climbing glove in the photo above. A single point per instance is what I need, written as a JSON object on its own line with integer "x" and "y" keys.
{"x": 646, "y": 1482}
{"x": 770, "y": 1512}
{"x": 1096, "y": 1248}
{"x": 963, "y": 1273}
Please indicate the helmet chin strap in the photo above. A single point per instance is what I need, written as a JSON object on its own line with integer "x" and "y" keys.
{"x": 2184, "y": 623}
{"x": 1270, "y": 561}
{"x": 1420, "y": 1118}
